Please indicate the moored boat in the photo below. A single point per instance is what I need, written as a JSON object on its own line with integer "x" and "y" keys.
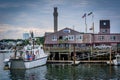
{"x": 115, "y": 61}
{"x": 29, "y": 58}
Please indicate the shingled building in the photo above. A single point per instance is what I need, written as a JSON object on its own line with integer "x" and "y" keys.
{"x": 60, "y": 43}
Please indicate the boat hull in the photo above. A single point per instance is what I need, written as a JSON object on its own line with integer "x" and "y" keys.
{"x": 35, "y": 63}
{"x": 21, "y": 64}
{"x": 114, "y": 62}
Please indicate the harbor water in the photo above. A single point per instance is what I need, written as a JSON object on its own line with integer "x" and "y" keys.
{"x": 61, "y": 72}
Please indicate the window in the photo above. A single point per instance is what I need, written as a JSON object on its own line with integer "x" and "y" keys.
{"x": 54, "y": 38}
{"x": 71, "y": 37}
{"x": 112, "y": 38}
{"x": 66, "y": 31}
{"x": 65, "y": 38}
{"x": 60, "y": 37}
{"x": 79, "y": 37}
{"x": 101, "y": 37}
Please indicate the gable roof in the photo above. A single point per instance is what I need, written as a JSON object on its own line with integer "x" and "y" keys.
{"x": 67, "y": 30}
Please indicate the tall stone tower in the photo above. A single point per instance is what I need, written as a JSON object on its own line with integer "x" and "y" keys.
{"x": 104, "y": 26}
{"x": 55, "y": 14}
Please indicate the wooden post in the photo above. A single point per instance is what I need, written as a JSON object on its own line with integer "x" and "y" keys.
{"x": 33, "y": 43}
{"x": 59, "y": 56}
{"x": 15, "y": 54}
{"x": 91, "y": 49}
{"x": 69, "y": 54}
{"x": 110, "y": 56}
{"x": 74, "y": 53}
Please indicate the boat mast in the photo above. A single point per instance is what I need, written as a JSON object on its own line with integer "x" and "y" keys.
{"x": 32, "y": 37}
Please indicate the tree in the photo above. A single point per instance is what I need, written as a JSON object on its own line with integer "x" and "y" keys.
{"x": 39, "y": 40}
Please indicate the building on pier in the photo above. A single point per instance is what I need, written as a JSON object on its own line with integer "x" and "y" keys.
{"x": 61, "y": 43}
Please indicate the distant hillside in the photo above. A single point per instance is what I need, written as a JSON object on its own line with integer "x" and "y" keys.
{"x": 39, "y": 40}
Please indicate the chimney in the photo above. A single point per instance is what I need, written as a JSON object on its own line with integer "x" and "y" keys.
{"x": 55, "y": 14}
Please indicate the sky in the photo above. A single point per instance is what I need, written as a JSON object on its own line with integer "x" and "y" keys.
{"x": 22, "y": 16}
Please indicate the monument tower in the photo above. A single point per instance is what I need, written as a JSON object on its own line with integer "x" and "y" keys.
{"x": 55, "y": 14}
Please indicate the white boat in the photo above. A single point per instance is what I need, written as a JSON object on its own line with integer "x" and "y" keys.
{"x": 115, "y": 61}
{"x": 30, "y": 58}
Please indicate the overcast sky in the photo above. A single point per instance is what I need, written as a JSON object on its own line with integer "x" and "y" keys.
{"x": 20, "y": 16}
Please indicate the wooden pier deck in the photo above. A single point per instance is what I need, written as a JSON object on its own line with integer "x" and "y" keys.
{"x": 77, "y": 62}
{"x": 59, "y": 61}
{"x": 94, "y": 61}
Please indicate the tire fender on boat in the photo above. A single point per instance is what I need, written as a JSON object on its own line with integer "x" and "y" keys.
{"x": 36, "y": 52}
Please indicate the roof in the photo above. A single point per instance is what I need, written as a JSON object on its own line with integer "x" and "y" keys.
{"x": 71, "y": 30}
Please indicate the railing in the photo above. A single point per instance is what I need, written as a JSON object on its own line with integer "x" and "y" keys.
{"x": 77, "y": 49}
{"x": 6, "y": 51}
{"x": 66, "y": 49}
{"x": 62, "y": 41}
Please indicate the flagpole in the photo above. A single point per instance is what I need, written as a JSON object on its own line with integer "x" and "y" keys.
{"x": 93, "y": 27}
{"x": 84, "y": 16}
{"x": 85, "y": 24}
{"x": 93, "y": 22}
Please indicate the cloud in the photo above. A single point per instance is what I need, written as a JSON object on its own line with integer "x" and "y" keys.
{"x": 24, "y": 15}
{"x": 15, "y": 32}
{"x": 8, "y": 5}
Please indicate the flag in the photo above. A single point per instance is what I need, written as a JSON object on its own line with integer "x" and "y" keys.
{"x": 84, "y": 15}
{"x": 89, "y": 13}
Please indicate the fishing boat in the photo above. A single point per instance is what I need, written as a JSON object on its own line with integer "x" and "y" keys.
{"x": 29, "y": 58}
{"x": 115, "y": 61}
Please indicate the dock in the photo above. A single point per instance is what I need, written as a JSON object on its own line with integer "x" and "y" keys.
{"x": 94, "y": 61}
{"x": 60, "y": 61}
{"x": 77, "y": 62}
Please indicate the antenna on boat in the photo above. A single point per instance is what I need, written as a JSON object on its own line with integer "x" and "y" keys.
{"x": 32, "y": 38}
{"x": 31, "y": 34}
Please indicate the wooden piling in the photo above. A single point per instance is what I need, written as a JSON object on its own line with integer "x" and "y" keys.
{"x": 110, "y": 56}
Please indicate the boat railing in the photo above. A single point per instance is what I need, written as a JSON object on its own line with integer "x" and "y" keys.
{"x": 6, "y": 51}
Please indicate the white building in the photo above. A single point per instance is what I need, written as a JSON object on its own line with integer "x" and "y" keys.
{"x": 26, "y": 36}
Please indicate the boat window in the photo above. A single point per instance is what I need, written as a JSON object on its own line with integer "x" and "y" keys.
{"x": 41, "y": 47}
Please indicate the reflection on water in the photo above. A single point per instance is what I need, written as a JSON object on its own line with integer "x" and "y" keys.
{"x": 83, "y": 72}
{"x": 30, "y": 74}
{"x": 62, "y": 72}
{"x": 17, "y": 74}
{"x": 67, "y": 72}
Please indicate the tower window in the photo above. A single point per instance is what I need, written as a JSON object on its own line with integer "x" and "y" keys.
{"x": 104, "y": 30}
{"x": 104, "y": 23}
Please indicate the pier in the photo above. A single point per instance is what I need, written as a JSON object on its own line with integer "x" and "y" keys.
{"x": 92, "y": 56}
{"x": 77, "y": 62}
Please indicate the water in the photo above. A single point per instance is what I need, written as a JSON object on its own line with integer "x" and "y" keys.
{"x": 62, "y": 72}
